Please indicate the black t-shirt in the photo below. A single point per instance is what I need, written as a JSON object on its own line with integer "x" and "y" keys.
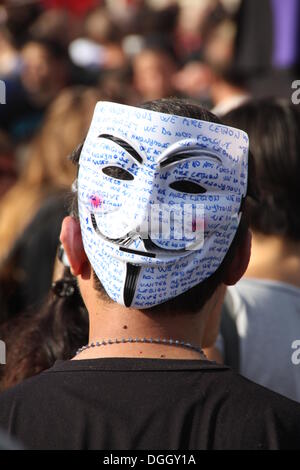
{"x": 130, "y": 404}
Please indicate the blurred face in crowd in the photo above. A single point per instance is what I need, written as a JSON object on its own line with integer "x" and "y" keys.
{"x": 194, "y": 80}
{"x": 42, "y": 73}
{"x": 219, "y": 47}
{"x": 153, "y": 74}
{"x": 114, "y": 57}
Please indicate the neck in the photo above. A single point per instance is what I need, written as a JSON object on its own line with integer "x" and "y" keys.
{"x": 274, "y": 258}
{"x": 113, "y": 321}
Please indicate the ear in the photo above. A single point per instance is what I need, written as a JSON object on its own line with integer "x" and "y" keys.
{"x": 239, "y": 264}
{"x": 70, "y": 237}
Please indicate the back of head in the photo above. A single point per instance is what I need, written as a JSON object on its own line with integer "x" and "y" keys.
{"x": 273, "y": 127}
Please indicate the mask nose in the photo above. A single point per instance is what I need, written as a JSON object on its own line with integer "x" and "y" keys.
{"x": 135, "y": 213}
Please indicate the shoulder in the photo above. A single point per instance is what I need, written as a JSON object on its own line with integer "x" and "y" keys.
{"x": 244, "y": 415}
{"x": 34, "y": 410}
{"x": 269, "y": 414}
{"x": 257, "y": 394}
{"x": 31, "y": 392}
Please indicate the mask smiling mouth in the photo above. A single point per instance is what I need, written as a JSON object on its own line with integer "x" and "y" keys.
{"x": 124, "y": 243}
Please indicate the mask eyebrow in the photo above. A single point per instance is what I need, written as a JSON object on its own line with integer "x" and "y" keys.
{"x": 182, "y": 156}
{"x": 122, "y": 143}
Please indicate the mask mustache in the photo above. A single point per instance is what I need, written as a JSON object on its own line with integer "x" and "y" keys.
{"x": 125, "y": 243}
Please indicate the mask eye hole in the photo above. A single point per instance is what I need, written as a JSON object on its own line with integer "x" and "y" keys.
{"x": 117, "y": 173}
{"x": 185, "y": 186}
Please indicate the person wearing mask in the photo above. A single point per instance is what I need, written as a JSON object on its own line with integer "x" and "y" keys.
{"x": 158, "y": 228}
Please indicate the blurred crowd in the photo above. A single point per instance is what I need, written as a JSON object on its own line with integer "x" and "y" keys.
{"x": 59, "y": 57}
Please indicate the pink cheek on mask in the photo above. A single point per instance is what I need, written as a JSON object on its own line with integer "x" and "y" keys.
{"x": 198, "y": 225}
{"x": 194, "y": 225}
{"x": 96, "y": 201}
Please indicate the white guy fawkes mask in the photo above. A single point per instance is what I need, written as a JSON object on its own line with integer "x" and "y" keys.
{"x": 159, "y": 200}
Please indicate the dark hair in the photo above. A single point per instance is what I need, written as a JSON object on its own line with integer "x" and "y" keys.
{"x": 161, "y": 45}
{"x": 196, "y": 297}
{"x": 53, "y": 47}
{"x": 232, "y": 73}
{"x": 35, "y": 340}
{"x": 218, "y": 16}
{"x": 273, "y": 127}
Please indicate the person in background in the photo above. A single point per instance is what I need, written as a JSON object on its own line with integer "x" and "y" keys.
{"x": 265, "y": 304}
{"x": 228, "y": 90}
{"x": 211, "y": 75}
{"x": 153, "y": 70}
{"x": 36, "y": 340}
{"x": 228, "y": 86}
{"x": 219, "y": 90}
{"x": 57, "y": 25}
{"x": 46, "y": 176}
{"x": 101, "y": 30}
{"x": 194, "y": 80}
{"x": 43, "y": 74}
